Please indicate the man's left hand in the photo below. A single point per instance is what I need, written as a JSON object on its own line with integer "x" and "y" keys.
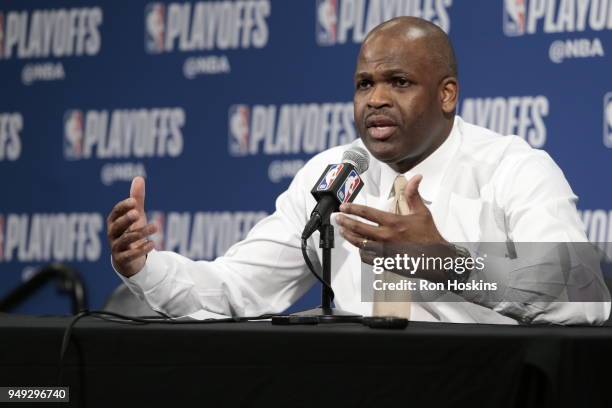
{"x": 416, "y": 227}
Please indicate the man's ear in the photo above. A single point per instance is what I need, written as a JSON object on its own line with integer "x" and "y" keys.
{"x": 449, "y": 94}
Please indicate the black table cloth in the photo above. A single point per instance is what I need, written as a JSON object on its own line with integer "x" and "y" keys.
{"x": 258, "y": 364}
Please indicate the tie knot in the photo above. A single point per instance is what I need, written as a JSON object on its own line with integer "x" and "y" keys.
{"x": 399, "y": 185}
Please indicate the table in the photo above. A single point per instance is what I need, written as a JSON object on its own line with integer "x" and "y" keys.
{"x": 258, "y": 364}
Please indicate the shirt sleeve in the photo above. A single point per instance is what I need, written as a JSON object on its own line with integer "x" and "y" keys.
{"x": 264, "y": 273}
{"x": 554, "y": 275}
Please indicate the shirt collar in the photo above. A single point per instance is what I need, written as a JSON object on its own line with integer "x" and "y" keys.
{"x": 432, "y": 168}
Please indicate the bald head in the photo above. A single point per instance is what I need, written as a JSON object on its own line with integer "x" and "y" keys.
{"x": 422, "y": 32}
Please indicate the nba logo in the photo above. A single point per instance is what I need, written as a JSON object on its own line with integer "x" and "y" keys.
{"x": 1, "y": 35}
{"x": 607, "y": 135}
{"x": 327, "y": 18}
{"x": 1, "y": 236}
{"x": 238, "y": 130}
{"x": 155, "y": 27}
{"x": 349, "y": 187}
{"x": 514, "y": 17}
{"x": 73, "y": 134}
{"x": 330, "y": 176}
{"x": 159, "y": 219}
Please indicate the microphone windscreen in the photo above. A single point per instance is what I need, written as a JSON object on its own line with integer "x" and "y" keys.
{"x": 358, "y": 157}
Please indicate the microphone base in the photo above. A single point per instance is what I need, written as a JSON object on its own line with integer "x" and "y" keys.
{"x": 318, "y": 315}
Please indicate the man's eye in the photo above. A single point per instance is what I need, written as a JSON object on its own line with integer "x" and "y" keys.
{"x": 401, "y": 82}
{"x": 363, "y": 84}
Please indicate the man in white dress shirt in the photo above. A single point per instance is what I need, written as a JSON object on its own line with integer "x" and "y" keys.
{"x": 465, "y": 184}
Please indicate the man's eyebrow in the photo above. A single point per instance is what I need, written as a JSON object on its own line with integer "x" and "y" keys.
{"x": 385, "y": 73}
{"x": 397, "y": 71}
{"x": 362, "y": 74}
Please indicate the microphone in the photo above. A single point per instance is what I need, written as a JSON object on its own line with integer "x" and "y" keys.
{"x": 339, "y": 183}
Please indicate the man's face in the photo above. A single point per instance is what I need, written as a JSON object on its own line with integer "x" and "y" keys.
{"x": 397, "y": 106}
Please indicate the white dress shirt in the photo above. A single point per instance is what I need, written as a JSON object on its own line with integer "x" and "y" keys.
{"x": 479, "y": 186}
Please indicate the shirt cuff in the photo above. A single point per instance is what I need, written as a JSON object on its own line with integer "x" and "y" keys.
{"x": 151, "y": 275}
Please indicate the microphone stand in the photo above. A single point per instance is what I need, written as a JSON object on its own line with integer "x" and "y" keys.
{"x": 326, "y": 313}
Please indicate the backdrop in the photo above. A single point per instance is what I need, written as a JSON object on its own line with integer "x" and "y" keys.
{"x": 219, "y": 103}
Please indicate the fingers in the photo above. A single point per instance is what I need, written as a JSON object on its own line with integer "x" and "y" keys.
{"x": 362, "y": 242}
{"x": 133, "y": 253}
{"x": 137, "y": 192}
{"x": 127, "y": 232}
{"x": 121, "y": 208}
{"x": 368, "y": 250}
{"x": 121, "y": 224}
{"x": 368, "y": 213}
{"x": 126, "y": 241}
{"x": 413, "y": 198}
{"x": 374, "y": 232}
{"x": 358, "y": 228}
{"x": 350, "y": 236}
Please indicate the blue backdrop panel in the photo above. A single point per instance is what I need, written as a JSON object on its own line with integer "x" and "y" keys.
{"x": 219, "y": 103}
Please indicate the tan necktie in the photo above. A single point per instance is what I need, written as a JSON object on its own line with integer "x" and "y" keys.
{"x": 393, "y": 302}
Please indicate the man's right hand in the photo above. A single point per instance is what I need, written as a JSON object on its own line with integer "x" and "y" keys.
{"x": 127, "y": 231}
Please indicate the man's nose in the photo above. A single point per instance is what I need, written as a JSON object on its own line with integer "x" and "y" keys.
{"x": 379, "y": 97}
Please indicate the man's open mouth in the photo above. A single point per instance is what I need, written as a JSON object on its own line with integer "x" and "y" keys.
{"x": 380, "y": 127}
